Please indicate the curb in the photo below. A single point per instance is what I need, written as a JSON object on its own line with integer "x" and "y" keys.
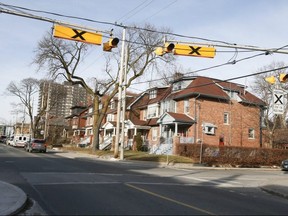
{"x": 14, "y": 201}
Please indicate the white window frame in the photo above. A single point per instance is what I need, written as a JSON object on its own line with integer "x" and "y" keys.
{"x": 226, "y": 118}
{"x": 186, "y": 106}
{"x": 152, "y": 93}
{"x": 152, "y": 111}
{"x": 251, "y": 133}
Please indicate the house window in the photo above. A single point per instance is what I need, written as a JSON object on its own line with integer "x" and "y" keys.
{"x": 154, "y": 134}
{"x": 251, "y": 133}
{"x": 152, "y": 94}
{"x": 112, "y": 105}
{"x": 152, "y": 111}
{"x": 226, "y": 118}
{"x": 186, "y": 106}
{"x": 144, "y": 115}
{"x": 209, "y": 128}
{"x": 110, "y": 117}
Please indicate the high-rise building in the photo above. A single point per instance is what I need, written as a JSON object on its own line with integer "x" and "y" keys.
{"x": 61, "y": 97}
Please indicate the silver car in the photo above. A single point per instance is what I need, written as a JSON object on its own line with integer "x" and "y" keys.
{"x": 38, "y": 145}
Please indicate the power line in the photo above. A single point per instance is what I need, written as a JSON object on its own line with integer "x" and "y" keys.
{"x": 138, "y": 9}
{"x": 267, "y": 51}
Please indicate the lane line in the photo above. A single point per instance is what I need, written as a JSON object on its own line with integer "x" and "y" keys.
{"x": 169, "y": 199}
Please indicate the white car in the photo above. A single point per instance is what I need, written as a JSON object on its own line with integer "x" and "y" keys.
{"x": 9, "y": 140}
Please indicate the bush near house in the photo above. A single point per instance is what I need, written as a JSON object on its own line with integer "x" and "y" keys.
{"x": 233, "y": 156}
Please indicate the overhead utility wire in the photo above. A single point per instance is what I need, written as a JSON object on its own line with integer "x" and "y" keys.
{"x": 229, "y": 45}
{"x": 212, "y": 67}
{"x": 139, "y": 9}
{"x": 114, "y": 24}
{"x": 27, "y": 15}
{"x": 55, "y": 21}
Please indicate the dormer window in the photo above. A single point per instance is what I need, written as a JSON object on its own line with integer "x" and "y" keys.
{"x": 152, "y": 94}
{"x": 177, "y": 86}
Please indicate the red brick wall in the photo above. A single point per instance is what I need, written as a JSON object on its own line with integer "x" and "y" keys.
{"x": 241, "y": 118}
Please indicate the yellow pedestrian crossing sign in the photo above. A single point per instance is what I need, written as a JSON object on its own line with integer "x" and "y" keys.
{"x": 65, "y": 32}
{"x": 192, "y": 50}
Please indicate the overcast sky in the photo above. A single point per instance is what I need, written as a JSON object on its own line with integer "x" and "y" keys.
{"x": 261, "y": 23}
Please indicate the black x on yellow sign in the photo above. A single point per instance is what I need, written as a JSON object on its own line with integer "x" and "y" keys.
{"x": 197, "y": 51}
{"x": 77, "y": 35}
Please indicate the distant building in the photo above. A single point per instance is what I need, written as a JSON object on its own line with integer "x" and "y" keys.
{"x": 61, "y": 97}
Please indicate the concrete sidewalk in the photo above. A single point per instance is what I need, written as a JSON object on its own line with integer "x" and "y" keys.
{"x": 13, "y": 199}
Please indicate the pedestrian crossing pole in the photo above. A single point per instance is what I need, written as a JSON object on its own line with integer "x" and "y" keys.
{"x": 121, "y": 99}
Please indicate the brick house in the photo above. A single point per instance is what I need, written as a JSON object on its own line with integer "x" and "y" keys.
{"x": 76, "y": 123}
{"x": 200, "y": 109}
{"x": 193, "y": 109}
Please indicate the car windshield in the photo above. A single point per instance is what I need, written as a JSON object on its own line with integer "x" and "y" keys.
{"x": 38, "y": 141}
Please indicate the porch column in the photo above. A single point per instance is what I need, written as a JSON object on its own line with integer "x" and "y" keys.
{"x": 160, "y": 129}
{"x": 114, "y": 131}
{"x": 135, "y": 131}
{"x": 176, "y": 129}
{"x": 104, "y": 132}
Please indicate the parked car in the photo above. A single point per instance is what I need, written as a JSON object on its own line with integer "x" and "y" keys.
{"x": 9, "y": 140}
{"x": 3, "y": 138}
{"x": 284, "y": 165}
{"x": 38, "y": 145}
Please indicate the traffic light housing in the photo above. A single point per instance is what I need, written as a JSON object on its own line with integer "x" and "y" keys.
{"x": 159, "y": 51}
{"x": 112, "y": 43}
{"x": 168, "y": 48}
{"x": 283, "y": 78}
{"x": 271, "y": 79}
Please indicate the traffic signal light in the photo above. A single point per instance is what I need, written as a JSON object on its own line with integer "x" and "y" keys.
{"x": 283, "y": 78}
{"x": 159, "y": 51}
{"x": 271, "y": 79}
{"x": 112, "y": 43}
{"x": 169, "y": 47}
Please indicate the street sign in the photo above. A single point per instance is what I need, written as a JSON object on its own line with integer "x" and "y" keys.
{"x": 278, "y": 101}
{"x": 77, "y": 35}
{"x": 194, "y": 50}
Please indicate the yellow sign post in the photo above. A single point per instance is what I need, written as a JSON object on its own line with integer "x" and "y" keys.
{"x": 77, "y": 35}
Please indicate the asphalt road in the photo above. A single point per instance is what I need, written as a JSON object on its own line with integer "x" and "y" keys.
{"x": 62, "y": 184}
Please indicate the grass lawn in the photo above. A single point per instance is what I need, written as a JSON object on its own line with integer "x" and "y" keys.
{"x": 135, "y": 155}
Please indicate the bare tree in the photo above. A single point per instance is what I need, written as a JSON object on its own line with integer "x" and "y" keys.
{"x": 25, "y": 91}
{"x": 63, "y": 57}
{"x": 264, "y": 90}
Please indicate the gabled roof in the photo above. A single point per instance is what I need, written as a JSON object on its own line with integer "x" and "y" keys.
{"x": 143, "y": 100}
{"x": 214, "y": 88}
{"x": 170, "y": 117}
{"x": 201, "y": 86}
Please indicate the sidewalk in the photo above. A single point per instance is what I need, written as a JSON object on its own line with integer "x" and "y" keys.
{"x": 13, "y": 199}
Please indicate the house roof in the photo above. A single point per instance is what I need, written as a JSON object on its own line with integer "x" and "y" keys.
{"x": 143, "y": 100}
{"x": 214, "y": 88}
{"x": 169, "y": 117}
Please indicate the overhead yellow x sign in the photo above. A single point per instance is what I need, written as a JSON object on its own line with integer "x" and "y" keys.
{"x": 77, "y": 35}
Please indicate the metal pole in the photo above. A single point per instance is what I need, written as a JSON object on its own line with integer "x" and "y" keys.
{"x": 116, "y": 150}
{"x": 124, "y": 105}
